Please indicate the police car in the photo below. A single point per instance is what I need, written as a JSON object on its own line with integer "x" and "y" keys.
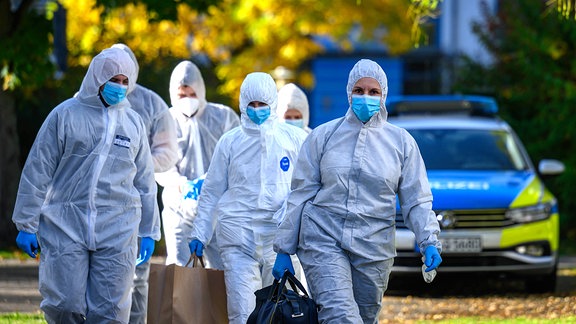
{"x": 496, "y": 215}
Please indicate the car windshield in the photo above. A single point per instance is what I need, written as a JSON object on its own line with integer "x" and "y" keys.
{"x": 456, "y": 149}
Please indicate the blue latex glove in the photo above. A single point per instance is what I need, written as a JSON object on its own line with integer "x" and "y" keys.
{"x": 432, "y": 258}
{"x": 196, "y": 247}
{"x": 282, "y": 263}
{"x": 188, "y": 190}
{"x": 198, "y": 182}
{"x": 28, "y": 243}
{"x": 191, "y": 189}
{"x": 146, "y": 250}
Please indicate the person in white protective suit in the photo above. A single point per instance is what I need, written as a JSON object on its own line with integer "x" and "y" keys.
{"x": 199, "y": 126}
{"x": 247, "y": 182}
{"x": 86, "y": 194}
{"x": 161, "y": 132}
{"x": 341, "y": 210}
{"x": 293, "y": 107}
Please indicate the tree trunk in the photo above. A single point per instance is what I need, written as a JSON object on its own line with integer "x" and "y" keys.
{"x": 9, "y": 168}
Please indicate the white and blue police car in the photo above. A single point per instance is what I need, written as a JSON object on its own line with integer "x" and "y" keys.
{"x": 494, "y": 210}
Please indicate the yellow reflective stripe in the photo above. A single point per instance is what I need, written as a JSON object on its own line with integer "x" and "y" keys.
{"x": 546, "y": 230}
{"x": 531, "y": 194}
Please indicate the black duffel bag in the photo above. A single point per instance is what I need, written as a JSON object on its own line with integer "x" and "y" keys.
{"x": 277, "y": 304}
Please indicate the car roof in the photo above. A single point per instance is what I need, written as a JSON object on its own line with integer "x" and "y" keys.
{"x": 449, "y": 122}
{"x": 437, "y": 97}
{"x": 441, "y": 104}
{"x": 454, "y": 111}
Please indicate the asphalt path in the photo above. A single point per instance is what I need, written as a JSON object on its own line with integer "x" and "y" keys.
{"x": 19, "y": 284}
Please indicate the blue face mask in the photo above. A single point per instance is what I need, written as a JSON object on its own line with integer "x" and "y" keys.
{"x": 258, "y": 115}
{"x": 365, "y": 106}
{"x": 295, "y": 122}
{"x": 113, "y": 92}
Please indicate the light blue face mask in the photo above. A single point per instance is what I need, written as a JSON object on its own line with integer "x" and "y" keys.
{"x": 365, "y": 106}
{"x": 295, "y": 122}
{"x": 114, "y": 92}
{"x": 258, "y": 115}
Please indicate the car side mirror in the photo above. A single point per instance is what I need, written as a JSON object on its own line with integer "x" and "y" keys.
{"x": 550, "y": 167}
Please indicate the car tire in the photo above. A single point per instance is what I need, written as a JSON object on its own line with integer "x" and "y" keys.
{"x": 541, "y": 284}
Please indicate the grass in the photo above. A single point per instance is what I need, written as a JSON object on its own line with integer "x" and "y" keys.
{"x": 20, "y": 318}
{"x": 13, "y": 254}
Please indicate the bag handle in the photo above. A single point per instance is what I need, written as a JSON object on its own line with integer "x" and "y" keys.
{"x": 275, "y": 291}
{"x": 295, "y": 282}
{"x": 194, "y": 259}
{"x": 279, "y": 286}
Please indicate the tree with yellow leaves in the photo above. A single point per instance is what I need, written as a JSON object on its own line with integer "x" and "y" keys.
{"x": 240, "y": 37}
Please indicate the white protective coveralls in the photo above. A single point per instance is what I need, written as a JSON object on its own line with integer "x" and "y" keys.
{"x": 341, "y": 211}
{"x": 87, "y": 190}
{"x": 197, "y": 138}
{"x": 247, "y": 182}
{"x": 290, "y": 96}
{"x": 161, "y": 131}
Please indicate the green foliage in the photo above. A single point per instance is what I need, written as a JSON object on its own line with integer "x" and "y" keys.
{"x": 533, "y": 78}
{"x": 164, "y": 10}
{"x": 24, "y": 58}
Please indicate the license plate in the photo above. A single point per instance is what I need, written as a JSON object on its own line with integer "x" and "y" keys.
{"x": 461, "y": 244}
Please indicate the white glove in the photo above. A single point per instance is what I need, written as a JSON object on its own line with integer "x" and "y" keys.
{"x": 428, "y": 276}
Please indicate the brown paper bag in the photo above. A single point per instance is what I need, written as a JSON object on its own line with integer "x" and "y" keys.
{"x": 186, "y": 295}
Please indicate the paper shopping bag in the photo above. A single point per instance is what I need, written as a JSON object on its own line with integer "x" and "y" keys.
{"x": 186, "y": 295}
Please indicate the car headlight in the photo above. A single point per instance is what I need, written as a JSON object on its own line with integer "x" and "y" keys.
{"x": 530, "y": 213}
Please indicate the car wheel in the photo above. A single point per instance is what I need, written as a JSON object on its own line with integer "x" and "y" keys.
{"x": 541, "y": 284}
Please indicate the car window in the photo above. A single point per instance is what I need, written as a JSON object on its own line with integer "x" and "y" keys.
{"x": 454, "y": 149}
